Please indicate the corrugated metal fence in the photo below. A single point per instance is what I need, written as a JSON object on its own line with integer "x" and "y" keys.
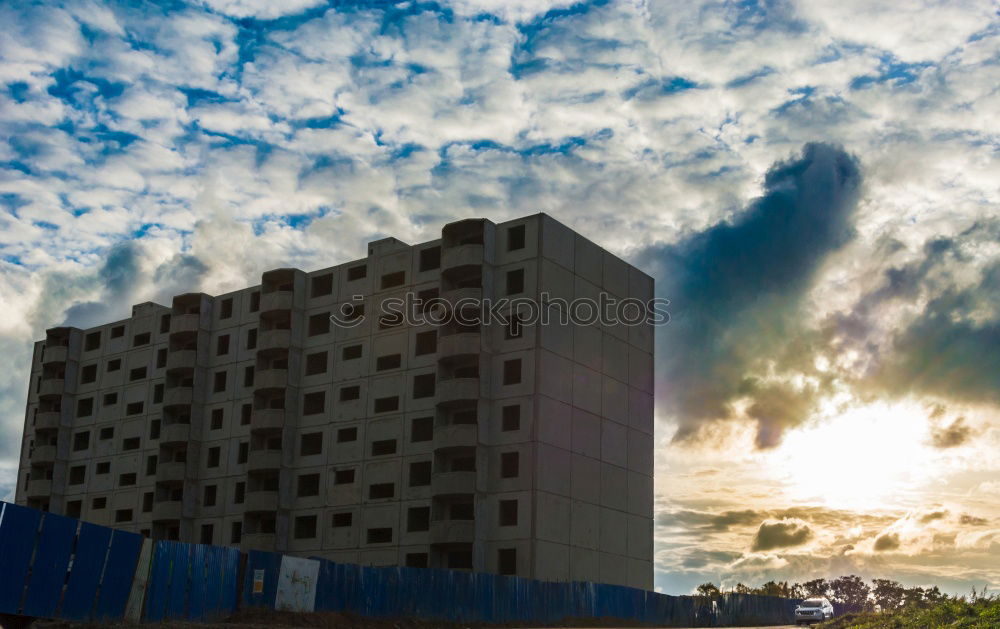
{"x": 57, "y": 567}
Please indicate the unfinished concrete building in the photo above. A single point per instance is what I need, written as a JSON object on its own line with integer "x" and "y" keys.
{"x": 252, "y": 419}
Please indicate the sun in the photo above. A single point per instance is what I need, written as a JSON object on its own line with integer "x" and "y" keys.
{"x": 870, "y": 457}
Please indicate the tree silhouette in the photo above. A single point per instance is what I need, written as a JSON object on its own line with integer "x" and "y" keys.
{"x": 888, "y": 594}
{"x": 851, "y": 592}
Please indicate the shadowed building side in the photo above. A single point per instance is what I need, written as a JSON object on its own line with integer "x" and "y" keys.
{"x": 252, "y": 419}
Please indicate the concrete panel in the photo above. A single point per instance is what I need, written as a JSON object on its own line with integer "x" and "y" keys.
{"x": 615, "y": 276}
{"x": 556, "y": 376}
{"x": 586, "y": 389}
{"x": 556, "y": 337}
{"x": 558, "y": 242}
{"x": 640, "y": 369}
{"x": 614, "y": 531}
{"x": 614, "y": 486}
{"x": 585, "y": 525}
{"x": 640, "y": 451}
{"x": 640, "y": 537}
{"x": 614, "y": 400}
{"x": 640, "y": 285}
{"x": 551, "y": 561}
{"x": 585, "y": 290}
{"x": 557, "y": 282}
{"x": 586, "y": 431}
{"x": 640, "y": 410}
{"x": 555, "y": 421}
{"x": 615, "y": 357}
{"x": 553, "y": 470}
{"x": 613, "y": 569}
{"x": 640, "y": 494}
{"x": 587, "y": 346}
{"x": 640, "y": 573}
{"x": 641, "y": 337}
{"x": 552, "y": 517}
{"x": 586, "y": 479}
{"x": 614, "y": 447}
{"x": 589, "y": 261}
{"x": 584, "y": 564}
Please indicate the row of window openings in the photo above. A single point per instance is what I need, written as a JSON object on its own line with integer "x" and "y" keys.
{"x": 316, "y": 363}
{"x": 318, "y": 324}
{"x": 420, "y": 471}
{"x": 418, "y": 519}
{"x": 322, "y": 285}
{"x": 421, "y": 430}
{"x": 424, "y": 386}
{"x": 305, "y": 528}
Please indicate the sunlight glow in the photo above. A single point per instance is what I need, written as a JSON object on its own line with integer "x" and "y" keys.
{"x": 867, "y": 458}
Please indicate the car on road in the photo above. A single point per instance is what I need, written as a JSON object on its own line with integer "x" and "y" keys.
{"x": 813, "y": 610}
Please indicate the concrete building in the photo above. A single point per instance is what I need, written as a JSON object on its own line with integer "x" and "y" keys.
{"x": 251, "y": 419}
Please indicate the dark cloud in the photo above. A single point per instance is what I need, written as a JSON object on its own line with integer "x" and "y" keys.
{"x": 933, "y": 515}
{"x": 123, "y": 282}
{"x": 781, "y": 534}
{"x": 735, "y": 290}
{"x": 950, "y": 349}
{"x": 699, "y": 558}
{"x": 180, "y": 274}
{"x": 716, "y": 522}
{"x": 954, "y": 434}
{"x": 947, "y": 349}
{"x": 971, "y": 520}
{"x": 118, "y": 278}
{"x": 887, "y": 541}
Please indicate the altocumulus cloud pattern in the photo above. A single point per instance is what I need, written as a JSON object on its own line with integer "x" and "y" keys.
{"x": 814, "y": 184}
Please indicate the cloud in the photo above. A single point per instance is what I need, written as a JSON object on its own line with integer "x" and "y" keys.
{"x": 887, "y": 542}
{"x": 261, "y": 9}
{"x": 709, "y": 521}
{"x": 953, "y": 435}
{"x": 926, "y": 327}
{"x": 971, "y": 520}
{"x": 945, "y": 350}
{"x": 781, "y": 534}
{"x": 735, "y": 290}
{"x": 152, "y": 150}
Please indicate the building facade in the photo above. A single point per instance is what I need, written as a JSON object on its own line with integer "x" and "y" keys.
{"x": 254, "y": 419}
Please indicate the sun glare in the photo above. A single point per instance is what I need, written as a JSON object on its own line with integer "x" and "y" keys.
{"x": 870, "y": 457}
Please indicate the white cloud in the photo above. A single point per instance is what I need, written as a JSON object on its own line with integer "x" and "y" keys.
{"x": 261, "y": 9}
{"x": 397, "y": 125}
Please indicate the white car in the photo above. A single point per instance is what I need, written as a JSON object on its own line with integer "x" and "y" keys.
{"x": 813, "y": 610}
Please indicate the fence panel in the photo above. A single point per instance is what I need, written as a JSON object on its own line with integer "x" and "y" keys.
{"x": 200, "y": 582}
{"x": 180, "y": 576}
{"x": 48, "y": 570}
{"x": 116, "y": 580}
{"x": 230, "y": 566}
{"x": 266, "y": 566}
{"x": 159, "y": 582}
{"x": 296, "y": 584}
{"x": 18, "y": 529}
{"x": 85, "y": 575}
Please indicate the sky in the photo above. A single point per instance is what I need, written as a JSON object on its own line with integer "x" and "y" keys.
{"x": 814, "y": 186}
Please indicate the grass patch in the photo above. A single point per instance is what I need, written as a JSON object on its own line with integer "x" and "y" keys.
{"x": 978, "y": 612}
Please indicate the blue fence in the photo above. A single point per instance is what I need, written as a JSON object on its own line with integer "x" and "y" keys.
{"x": 57, "y": 567}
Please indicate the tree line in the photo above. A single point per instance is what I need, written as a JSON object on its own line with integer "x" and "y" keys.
{"x": 849, "y": 593}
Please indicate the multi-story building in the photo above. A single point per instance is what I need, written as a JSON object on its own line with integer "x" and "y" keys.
{"x": 252, "y": 419}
